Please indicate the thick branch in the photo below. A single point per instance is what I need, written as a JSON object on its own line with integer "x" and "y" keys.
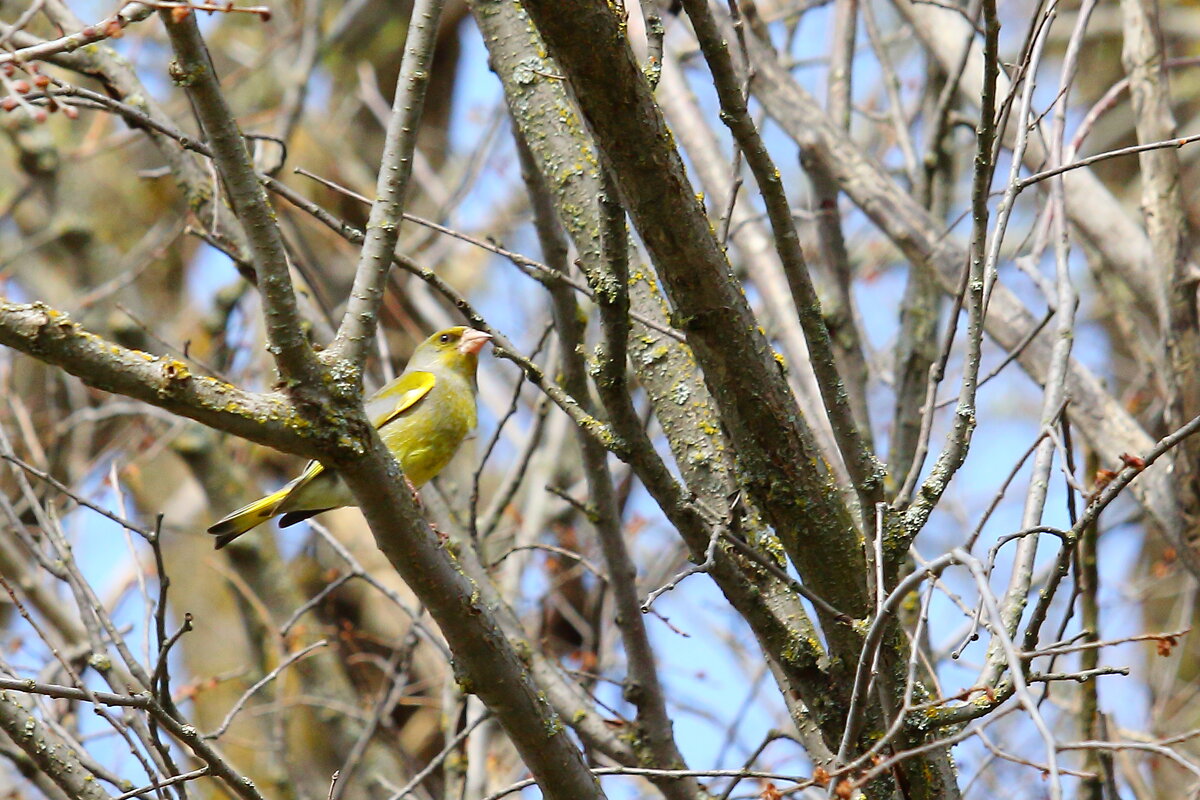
{"x": 50, "y": 336}
{"x": 783, "y": 470}
{"x": 642, "y": 685}
{"x": 51, "y": 756}
{"x": 865, "y": 470}
{"x": 486, "y": 662}
{"x": 666, "y": 370}
{"x": 1164, "y": 207}
{"x": 755, "y": 251}
{"x": 193, "y": 69}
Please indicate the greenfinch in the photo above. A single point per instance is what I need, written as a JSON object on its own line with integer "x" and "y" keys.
{"x": 422, "y": 416}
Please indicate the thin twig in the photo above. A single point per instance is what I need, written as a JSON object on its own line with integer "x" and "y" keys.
{"x": 270, "y": 676}
{"x": 436, "y": 761}
{"x": 181, "y": 778}
{"x": 145, "y": 533}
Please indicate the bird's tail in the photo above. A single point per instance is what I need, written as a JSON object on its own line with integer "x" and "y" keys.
{"x": 247, "y": 517}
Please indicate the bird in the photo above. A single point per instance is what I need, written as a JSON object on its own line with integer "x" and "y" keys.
{"x": 422, "y": 416}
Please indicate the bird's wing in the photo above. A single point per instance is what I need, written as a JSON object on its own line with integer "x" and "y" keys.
{"x": 396, "y": 398}
{"x": 311, "y": 470}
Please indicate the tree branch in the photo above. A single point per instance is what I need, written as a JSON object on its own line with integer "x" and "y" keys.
{"x": 193, "y": 69}
{"x": 54, "y": 758}
{"x": 50, "y": 336}
{"x": 357, "y": 330}
{"x": 682, "y": 403}
{"x": 486, "y": 662}
{"x": 1164, "y": 211}
{"x": 782, "y": 468}
{"x": 865, "y": 470}
{"x": 1102, "y": 419}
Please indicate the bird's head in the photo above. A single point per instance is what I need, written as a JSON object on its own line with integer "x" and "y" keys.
{"x": 454, "y": 348}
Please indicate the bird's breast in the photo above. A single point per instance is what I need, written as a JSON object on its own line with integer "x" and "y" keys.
{"x": 425, "y": 440}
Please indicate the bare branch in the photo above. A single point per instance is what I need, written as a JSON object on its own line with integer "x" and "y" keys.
{"x": 50, "y": 336}
{"x": 357, "y": 331}
{"x": 194, "y": 69}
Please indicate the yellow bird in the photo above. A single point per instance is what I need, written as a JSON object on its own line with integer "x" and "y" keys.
{"x": 422, "y": 416}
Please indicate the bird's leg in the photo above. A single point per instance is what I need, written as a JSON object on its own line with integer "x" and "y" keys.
{"x": 442, "y": 538}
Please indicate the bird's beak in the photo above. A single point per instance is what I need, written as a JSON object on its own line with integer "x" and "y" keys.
{"x": 473, "y": 341}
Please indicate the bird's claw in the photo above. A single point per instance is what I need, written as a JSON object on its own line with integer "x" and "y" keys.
{"x": 413, "y": 491}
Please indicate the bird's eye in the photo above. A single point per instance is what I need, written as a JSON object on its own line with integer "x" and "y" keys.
{"x": 445, "y": 337}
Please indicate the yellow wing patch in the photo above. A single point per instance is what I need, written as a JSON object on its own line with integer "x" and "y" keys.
{"x": 311, "y": 470}
{"x": 412, "y": 388}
